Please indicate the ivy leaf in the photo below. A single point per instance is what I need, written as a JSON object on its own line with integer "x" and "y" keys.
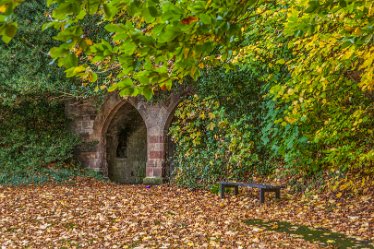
{"x": 73, "y": 71}
{"x": 115, "y": 28}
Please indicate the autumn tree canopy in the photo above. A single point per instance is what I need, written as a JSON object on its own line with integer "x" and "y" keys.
{"x": 151, "y": 44}
{"x": 146, "y": 45}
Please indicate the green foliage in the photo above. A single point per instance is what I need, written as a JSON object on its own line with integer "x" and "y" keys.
{"x": 240, "y": 92}
{"x": 316, "y": 59}
{"x": 308, "y": 71}
{"x": 34, "y": 143}
{"x": 330, "y": 92}
{"x": 149, "y": 44}
{"x": 239, "y": 146}
{"x": 8, "y": 28}
{"x": 211, "y": 146}
{"x": 323, "y": 106}
{"x": 27, "y": 72}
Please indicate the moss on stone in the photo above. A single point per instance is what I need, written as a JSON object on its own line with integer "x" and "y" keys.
{"x": 152, "y": 180}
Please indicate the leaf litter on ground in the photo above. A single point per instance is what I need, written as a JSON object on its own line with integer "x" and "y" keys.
{"x": 94, "y": 214}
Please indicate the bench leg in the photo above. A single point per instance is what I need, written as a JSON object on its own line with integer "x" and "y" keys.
{"x": 236, "y": 190}
{"x": 262, "y": 196}
{"x": 277, "y": 194}
{"x": 222, "y": 191}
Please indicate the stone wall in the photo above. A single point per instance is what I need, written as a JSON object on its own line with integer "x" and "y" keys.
{"x": 82, "y": 115}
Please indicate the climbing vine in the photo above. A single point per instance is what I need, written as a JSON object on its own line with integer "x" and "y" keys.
{"x": 211, "y": 146}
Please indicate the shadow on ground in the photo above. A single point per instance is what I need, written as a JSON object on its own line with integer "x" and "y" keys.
{"x": 321, "y": 236}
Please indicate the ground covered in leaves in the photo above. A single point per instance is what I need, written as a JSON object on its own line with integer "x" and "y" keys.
{"x": 94, "y": 214}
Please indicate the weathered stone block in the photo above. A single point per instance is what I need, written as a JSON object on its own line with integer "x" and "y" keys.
{"x": 90, "y": 146}
{"x": 152, "y": 180}
{"x": 156, "y": 154}
{"x": 156, "y": 146}
{"x": 156, "y": 139}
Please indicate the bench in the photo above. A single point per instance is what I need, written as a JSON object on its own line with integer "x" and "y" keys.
{"x": 262, "y": 187}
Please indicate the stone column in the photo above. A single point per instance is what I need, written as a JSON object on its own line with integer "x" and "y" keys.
{"x": 155, "y": 115}
{"x": 155, "y": 155}
{"x": 158, "y": 116}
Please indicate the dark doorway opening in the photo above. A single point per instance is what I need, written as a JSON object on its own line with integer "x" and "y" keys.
{"x": 127, "y": 146}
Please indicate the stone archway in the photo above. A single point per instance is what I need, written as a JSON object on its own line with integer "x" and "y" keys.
{"x": 94, "y": 122}
{"x": 170, "y": 146}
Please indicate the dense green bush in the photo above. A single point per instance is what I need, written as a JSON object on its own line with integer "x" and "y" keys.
{"x": 320, "y": 95}
{"x": 27, "y": 72}
{"x": 304, "y": 88}
{"x": 211, "y": 145}
{"x": 216, "y": 130}
{"x": 35, "y": 145}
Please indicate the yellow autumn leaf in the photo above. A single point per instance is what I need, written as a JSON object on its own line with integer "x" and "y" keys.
{"x": 211, "y": 126}
{"x": 222, "y": 124}
{"x": 344, "y": 186}
{"x": 3, "y": 8}
{"x": 79, "y": 69}
{"x": 89, "y": 42}
{"x": 186, "y": 52}
{"x": 193, "y": 71}
{"x": 78, "y": 51}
